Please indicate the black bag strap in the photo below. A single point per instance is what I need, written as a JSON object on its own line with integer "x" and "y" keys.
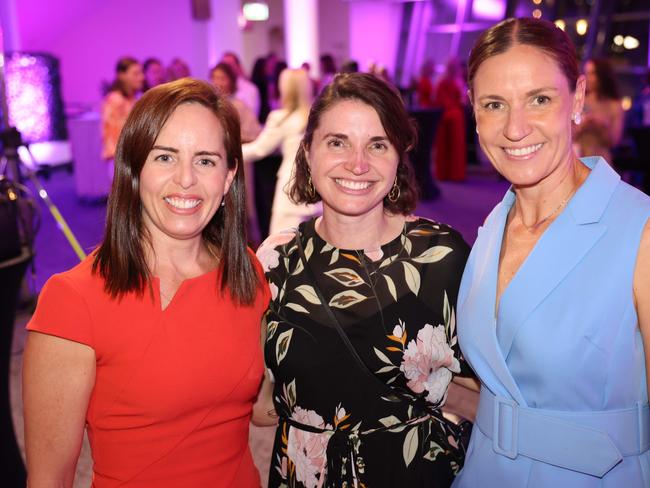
{"x": 330, "y": 313}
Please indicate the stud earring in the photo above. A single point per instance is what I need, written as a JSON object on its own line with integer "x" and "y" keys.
{"x": 577, "y": 118}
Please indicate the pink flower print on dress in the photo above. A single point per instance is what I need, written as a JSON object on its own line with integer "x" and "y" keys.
{"x": 308, "y": 450}
{"x": 428, "y": 363}
{"x": 267, "y": 253}
{"x": 274, "y": 290}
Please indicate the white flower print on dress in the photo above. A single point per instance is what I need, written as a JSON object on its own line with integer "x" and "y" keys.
{"x": 308, "y": 450}
{"x": 428, "y": 362}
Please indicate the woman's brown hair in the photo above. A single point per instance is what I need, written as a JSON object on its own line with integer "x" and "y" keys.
{"x": 399, "y": 128}
{"x": 120, "y": 258}
{"x": 539, "y": 33}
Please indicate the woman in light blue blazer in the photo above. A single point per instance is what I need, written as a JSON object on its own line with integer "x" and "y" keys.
{"x": 554, "y": 308}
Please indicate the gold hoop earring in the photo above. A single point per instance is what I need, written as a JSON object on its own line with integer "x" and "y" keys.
{"x": 394, "y": 193}
{"x": 311, "y": 191}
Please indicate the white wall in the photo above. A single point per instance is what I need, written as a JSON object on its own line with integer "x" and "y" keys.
{"x": 334, "y": 29}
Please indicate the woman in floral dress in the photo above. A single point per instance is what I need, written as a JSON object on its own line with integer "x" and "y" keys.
{"x": 358, "y": 383}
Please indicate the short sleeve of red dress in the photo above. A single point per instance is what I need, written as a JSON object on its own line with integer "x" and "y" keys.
{"x": 62, "y": 312}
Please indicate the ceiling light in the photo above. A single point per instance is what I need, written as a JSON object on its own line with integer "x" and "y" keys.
{"x": 581, "y": 27}
{"x": 560, "y": 24}
{"x": 630, "y": 42}
{"x": 256, "y": 11}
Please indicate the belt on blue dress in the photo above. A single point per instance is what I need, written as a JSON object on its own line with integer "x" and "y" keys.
{"x": 589, "y": 442}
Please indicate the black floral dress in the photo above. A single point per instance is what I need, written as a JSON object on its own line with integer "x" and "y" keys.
{"x": 339, "y": 427}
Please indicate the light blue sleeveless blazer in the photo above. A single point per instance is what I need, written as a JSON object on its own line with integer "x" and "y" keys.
{"x": 564, "y": 400}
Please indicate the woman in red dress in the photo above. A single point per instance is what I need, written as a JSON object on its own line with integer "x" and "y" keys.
{"x": 152, "y": 343}
{"x": 451, "y": 146}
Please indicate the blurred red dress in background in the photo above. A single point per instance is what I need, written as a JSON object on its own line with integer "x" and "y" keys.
{"x": 450, "y": 143}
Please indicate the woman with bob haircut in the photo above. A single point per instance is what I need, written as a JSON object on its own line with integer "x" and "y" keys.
{"x": 554, "y": 307}
{"x": 152, "y": 342}
{"x": 360, "y": 335}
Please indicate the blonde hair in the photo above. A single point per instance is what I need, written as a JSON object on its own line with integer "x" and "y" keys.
{"x": 295, "y": 90}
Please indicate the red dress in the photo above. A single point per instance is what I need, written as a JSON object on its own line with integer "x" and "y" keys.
{"x": 174, "y": 388}
{"x": 451, "y": 146}
{"x": 424, "y": 92}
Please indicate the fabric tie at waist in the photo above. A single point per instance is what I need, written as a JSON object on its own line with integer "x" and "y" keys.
{"x": 343, "y": 462}
{"x": 589, "y": 442}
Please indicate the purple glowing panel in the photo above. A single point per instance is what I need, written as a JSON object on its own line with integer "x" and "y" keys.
{"x": 489, "y": 9}
{"x": 31, "y": 95}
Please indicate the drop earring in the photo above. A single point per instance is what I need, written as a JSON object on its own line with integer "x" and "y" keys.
{"x": 394, "y": 192}
{"x": 311, "y": 191}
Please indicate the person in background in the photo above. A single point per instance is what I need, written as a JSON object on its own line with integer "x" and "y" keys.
{"x": 360, "y": 334}
{"x": 280, "y": 66}
{"x": 247, "y": 92}
{"x": 259, "y": 79}
{"x": 117, "y": 105}
{"x": 177, "y": 69}
{"x": 314, "y": 82}
{"x": 450, "y": 145}
{"x": 639, "y": 115}
{"x": 350, "y": 66}
{"x": 154, "y": 73}
{"x": 424, "y": 89}
{"x": 152, "y": 342}
{"x": 601, "y": 126}
{"x": 327, "y": 70}
{"x": 284, "y": 130}
{"x": 554, "y": 306}
{"x": 224, "y": 79}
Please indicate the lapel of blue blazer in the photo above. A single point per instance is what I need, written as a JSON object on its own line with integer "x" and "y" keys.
{"x": 477, "y": 301}
{"x": 566, "y": 241}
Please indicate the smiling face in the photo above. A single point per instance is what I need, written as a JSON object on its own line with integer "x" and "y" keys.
{"x": 185, "y": 176}
{"x": 352, "y": 162}
{"x": 523, "y": 106}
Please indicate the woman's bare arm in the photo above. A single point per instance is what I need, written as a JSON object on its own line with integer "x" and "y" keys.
{"x": 642, "y": 295}
{"x": 58, "y": 378}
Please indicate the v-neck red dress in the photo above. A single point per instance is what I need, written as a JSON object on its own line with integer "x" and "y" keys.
{"x": 174, "y": 388}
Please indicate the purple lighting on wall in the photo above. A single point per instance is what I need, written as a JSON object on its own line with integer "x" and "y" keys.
{"x": 32, "y": 95}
